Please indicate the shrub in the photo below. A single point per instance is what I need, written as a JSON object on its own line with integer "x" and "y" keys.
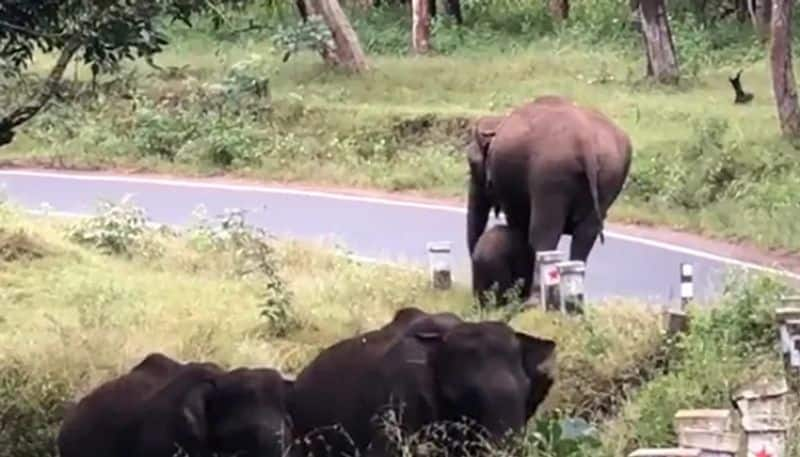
{"x": 727, "y": 346}
{"x": 120, "y": 228}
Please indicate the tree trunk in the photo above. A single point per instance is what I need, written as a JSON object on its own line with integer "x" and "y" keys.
{"x": 347, "y": 50}
{"x": 761, "y": 15}
{"x": 559, "y": 9}
{"x": 783, "y": 84}
{"x": 659, "y": 49}
{"x": 420, "y": 26}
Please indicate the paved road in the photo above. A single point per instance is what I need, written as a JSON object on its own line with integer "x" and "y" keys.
{"x": 370, "y": 227}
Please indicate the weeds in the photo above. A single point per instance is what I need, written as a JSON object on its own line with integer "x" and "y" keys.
{"x": 78, "y": 318}
{"x": 119, "y": 228}
{"x": 18, "y": 245}
{"x": 252, "y": 255}
{"x": 729, "y": 346}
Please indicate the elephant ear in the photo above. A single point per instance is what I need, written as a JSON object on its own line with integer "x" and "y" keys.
{"x": 538, "y": 360}
{"x": 193, "y": 424}
{"x": 483, "y": 131}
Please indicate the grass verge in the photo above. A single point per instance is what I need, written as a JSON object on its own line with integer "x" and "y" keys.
{"x": 701, "y": 163}
{"x": 102, "y": 292}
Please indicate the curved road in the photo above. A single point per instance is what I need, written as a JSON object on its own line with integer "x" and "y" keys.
{"x": 370, "y": 227}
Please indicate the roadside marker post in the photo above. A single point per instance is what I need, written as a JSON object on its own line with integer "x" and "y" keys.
{"x": 765, "y": 420}
{"x": 439, "y": 262}
{"x": 787, "y": 317}
{"x": 687, "y": 284}
{"x": 571, "y": 286}
{"x": 546, "y": 276}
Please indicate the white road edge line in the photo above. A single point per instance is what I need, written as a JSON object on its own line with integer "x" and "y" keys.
{"x": 375, "y": 200}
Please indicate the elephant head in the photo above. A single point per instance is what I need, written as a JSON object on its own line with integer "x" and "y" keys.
{"x": 482, "y": 132}
{"x": 489, "y": 373}
{"x": 246, "y": 413}
{"x": 480, "y": 189}
{"x": 212, "y": 411}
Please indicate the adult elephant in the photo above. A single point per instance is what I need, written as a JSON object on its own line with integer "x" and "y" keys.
{"x": 427, "y": 368}
{"x": 502, "y": 260}
{"x": 552, "y": 167}
{"x": 161, "y": 405}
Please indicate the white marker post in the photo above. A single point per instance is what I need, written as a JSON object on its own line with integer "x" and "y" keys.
{"x": 764, "y": 418}
{"x": 687, "y": 284}
{"x": 571, "y": 286}
{"x": 547, "y": 278}
{"x": 788, "y": 319}
{"x": 439, "y": 261}
{"x": 708, "y": 430}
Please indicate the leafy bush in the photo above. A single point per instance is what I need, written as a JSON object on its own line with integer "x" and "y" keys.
{"x": 120, "y": 228}
{"x": 562, "y": 437}
{"x": 727, "y": 346}
{"x": 708, "y": 168}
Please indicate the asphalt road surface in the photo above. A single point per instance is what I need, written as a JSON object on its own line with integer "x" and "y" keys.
{"x": 375, "y": 228}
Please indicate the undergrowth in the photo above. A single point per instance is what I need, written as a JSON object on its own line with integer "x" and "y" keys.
{"x": 221, "y": 290}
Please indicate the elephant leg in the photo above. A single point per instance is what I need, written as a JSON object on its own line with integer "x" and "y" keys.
{"x": 478, "y": 207}
{"x": 546, "y": 224}
{"x": 484, "y": 277}
{"x": 583, "y": 238}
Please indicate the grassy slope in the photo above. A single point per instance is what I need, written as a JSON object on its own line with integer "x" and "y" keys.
{"x": 72, "y": 317}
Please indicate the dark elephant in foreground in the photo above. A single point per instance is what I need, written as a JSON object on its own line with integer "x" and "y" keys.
{"x": 502, "y": 259}
{"x": 162, "y": 406}
{"x": 425, "y": 368}
{"x": 552, "y": 167}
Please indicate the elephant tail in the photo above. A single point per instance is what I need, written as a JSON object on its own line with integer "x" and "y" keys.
{"x": 592, "y": 170}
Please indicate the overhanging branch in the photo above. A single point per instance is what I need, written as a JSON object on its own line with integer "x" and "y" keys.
{"x": 24, "y": 113}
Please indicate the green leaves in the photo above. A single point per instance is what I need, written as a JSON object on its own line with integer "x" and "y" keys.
{"x": 110, "y": 31}
{"x": 568, "y": 437}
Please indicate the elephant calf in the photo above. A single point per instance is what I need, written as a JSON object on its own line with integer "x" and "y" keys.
{"x": 502, "y": 259}
{"x": 427, "y": 368}
{"x": 161, "y": 405}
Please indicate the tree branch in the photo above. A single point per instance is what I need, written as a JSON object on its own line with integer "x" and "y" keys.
{"x": 29, "y": 32}
{"x": 26, "y": 112}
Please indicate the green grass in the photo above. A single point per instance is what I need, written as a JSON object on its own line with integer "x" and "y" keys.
{"x": 701, "y": 163}
{"x": 75, "y": 310}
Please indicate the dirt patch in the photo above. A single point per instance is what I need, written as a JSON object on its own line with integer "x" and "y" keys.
{"x": 18, "y": 246}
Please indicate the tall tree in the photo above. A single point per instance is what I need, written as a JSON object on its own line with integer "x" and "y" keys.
{"x": 783, "y": 83}
{"x": 760, "y": 14}
{"x": 104, "y": 33}
{"x": 420, "y": 26}
{"x": 662, "y": 62}
{"x": 347, "y": 52}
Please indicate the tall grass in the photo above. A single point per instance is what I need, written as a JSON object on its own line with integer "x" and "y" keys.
{"x": 75, "y": 313}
